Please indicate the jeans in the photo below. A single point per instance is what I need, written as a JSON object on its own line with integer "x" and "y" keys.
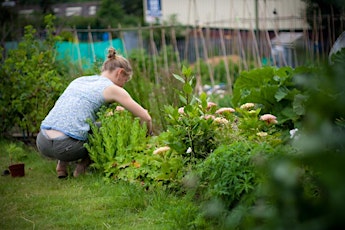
{"x": 63, "y": 148}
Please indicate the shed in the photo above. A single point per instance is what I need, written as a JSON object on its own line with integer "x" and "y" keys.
{"x": 285, "y": 48}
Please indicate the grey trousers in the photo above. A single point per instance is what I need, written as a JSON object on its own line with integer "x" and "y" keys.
{"x": 62, "y": 148}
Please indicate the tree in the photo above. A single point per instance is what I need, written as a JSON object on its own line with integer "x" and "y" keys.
{"x": 7, "y": 17}
{"x": 126, "y": 12}
{"x": 330, "y": 11}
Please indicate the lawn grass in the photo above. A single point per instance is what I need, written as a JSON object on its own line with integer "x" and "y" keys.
{"x": 40, "y": 200}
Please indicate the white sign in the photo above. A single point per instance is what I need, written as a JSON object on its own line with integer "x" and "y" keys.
{"x": 153, "y": 10}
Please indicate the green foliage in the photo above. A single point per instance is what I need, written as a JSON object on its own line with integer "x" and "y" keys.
{"x": 31, "y": 81}
{"x": 228, "y": 173}
{"x": 339, "y": 56}
{"x": 143, "y": 88}
{"x": 121, "y": 150}
{"x": 302, "y": 188}
{"x": 7, "y": 16}
{"x": 126, "y": 12}
{"x": 16, "y": 152}
{"x": 113, "y": 145}
{"x": 275, "y": 91}
{"x": 190, "y": 132}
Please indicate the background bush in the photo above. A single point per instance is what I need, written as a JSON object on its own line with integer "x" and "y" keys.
{"x": 32, "y": 81}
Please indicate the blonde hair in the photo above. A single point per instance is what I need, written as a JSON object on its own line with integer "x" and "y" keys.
{"x": 115, "y": 61}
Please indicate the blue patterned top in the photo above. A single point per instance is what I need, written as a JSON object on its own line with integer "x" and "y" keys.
{"x": 80, "y": 101}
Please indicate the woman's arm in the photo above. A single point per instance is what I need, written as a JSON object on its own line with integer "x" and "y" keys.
{"x": 117, "y": 94}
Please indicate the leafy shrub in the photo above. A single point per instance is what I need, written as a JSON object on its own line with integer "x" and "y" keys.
{"x": 121, "y": 149}
{"x": 31, "y": 81}
{"x": 113, "y": 145}
{"x": 228, "y": 173}
{"x": 275, "y": 91}
{"x": 190, "y": 132}
{"x": 302, "y": 189}
{"x": 144, "y": 89}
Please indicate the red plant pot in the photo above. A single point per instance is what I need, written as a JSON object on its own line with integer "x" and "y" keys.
{"x": 17, "y": 170}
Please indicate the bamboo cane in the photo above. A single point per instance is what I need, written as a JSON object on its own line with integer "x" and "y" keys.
{"x": 269, "y": 43}
{"x": 225, "y": 59}
{"x": 78, "y": 48}
{"x": 154, "y": 53}
{"x": 92, "y": 46}
{"x": 306, "y": 36}
{"x": 165, "y": 55}
{"x": 255, "y": 49}
{"x": 321, "y": 35}
{"x": 186, "y": 44}
{"x": 241, "y": 51}
{"x": 141, "y": 48}
{"x": 122, "y": 40}
{"x": 333, "y": 26}
{"x": 315, "y": 38}
{"x": 177, "y": 54}
{"x": 329, "y": 33}
{"x": 210, "y": 71}
{"x": 198, "y": 85}
{"x": 110, "y": 37}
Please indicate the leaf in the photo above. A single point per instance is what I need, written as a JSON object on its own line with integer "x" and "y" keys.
{"x": 177, "y": 77}
{"x": 281, "y": 93}
{"x": 299, "y": 104}
{"x": 186, "y": 71}
{"x": 187, "y": 89}
{"x": 183, "y": 99}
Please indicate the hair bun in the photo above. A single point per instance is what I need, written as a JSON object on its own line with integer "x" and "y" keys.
{"x": 111, "y": 53}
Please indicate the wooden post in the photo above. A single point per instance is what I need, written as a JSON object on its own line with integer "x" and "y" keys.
{"x": 306, "y": 38}
{"x": 333, "y": 27}
{"x": 321, "y": 35}
{"x": 165, "y": 55}
{"x": 110, "y": 37}
{"x": 316, "y": 38}
{"x": 243, "y": 54}
{"x": 186, "y": 44}
{"x": 141, "y": 47}
{"x": 210, "y": 71}
{"x": 78, "y": 48}
{"x": 91, "y": 44}
{"x": 256, "y": 50}
{"x": 330, "y": 38}
{"x": 226, "y": 61}
{"x": 154, "y": 53}
{"x": 122, "y": 40}
{"x": 177, "y": 54}
{"x": 270, "y": 47}
{"x": 198, "y": 85}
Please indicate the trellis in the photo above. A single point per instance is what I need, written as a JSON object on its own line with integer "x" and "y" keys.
{"x": 250, "y": 45}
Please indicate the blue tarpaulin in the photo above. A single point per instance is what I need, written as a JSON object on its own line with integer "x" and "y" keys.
{"x": 87, "y": 52}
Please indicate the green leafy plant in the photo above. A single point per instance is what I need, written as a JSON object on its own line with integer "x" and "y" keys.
{"x": 113, "y": 145}
{"x": 301, "y": 188}
{"x": 190, "y": 132}
{"x": 230, "y": 173}
{"x": 121, "y": 149}
{"x": 31, "y": 81}
{"x": 16, "y": 152}
{"x": 275, "y": 91}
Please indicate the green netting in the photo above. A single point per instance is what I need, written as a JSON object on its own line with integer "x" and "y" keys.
{"x": 87, "y": 52}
